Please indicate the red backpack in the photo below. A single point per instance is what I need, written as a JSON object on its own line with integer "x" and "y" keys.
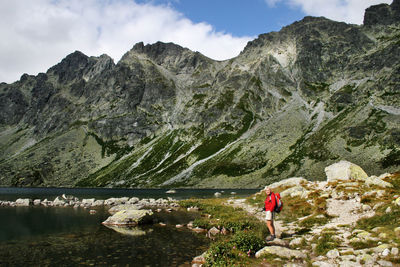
{"x": 279, "y": 203}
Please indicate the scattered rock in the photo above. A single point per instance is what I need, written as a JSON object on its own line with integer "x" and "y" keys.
{"x": 92, "y": 211}
{"x": 88, "y": 202}
{"x": 388, "y": 210}
{"x": 192, "y": 209}
{"x": 386, "y": 252}
{"x": 37, "y": 202}
{"x": 179, "y": 226}
{"x": 199, "y": 259}
{"x": 171, "y": 191}
{"x": 323, "y": 264}
{"x": 394, "y": 251}
{"x": 296, "y": 242}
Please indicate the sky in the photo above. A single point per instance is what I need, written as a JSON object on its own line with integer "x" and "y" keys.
{"x": 37, "y": 34}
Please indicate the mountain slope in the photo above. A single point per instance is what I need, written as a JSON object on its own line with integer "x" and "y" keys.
{"x": 291, "y": 103}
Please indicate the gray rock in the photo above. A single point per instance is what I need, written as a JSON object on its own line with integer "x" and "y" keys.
{"x": 322, "y": 264}
{"x": 295, "y": 191}
{"x": 281, "y": 252}
{"x": 88, "y": 202}
{"x": 37, "y": 202}
{"x": 333, "y": 254}
{"x": 133, "y": 200}
{"x": 344, "y": 170}
{"x": 98, "y": 202}
{"x": 217, "y": 194}
{"x": 23, "y": 202}
{"x": 385, "y": 263}
{"x": 290, "y": 182}
{"x": 394, "y": 251}
{"x": 129, "y": 217}
{"x": 58, "y": 201}
{"x": 296, "y": 242}
{"x": 121, "y": 207}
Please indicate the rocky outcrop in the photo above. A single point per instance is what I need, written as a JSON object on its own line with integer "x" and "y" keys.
{"x": 382, "y": 14}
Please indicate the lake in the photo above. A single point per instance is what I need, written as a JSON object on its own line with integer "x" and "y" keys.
{"x": 56, "y": 236}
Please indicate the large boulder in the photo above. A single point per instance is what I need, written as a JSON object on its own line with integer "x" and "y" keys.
{"x": 281, "y": 252}
{"x": 344, "y": 170}
{"x": 132, "y": 231}
{"x": 129, "y": 217}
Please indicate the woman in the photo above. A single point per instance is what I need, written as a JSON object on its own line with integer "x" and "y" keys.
{"x": 270, "y": 202}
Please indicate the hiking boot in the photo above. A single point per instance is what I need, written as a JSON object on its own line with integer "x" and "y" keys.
{"x": 270, "y": 238}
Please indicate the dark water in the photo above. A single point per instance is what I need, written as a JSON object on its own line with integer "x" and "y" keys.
{"x": 55, "y": 236}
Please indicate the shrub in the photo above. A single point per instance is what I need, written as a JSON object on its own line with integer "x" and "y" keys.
{"x": 220, "y": 254}
{"x": 247, "y": 241}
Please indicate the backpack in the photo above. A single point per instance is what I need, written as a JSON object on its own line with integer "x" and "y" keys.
{"x": 279, "y": 203}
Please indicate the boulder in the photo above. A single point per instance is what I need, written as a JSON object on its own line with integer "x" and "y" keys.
{"x": 290, "y": 182}
{"x": 24, "y": 202}
{"x": 171, "y": 191}
{"x": 394, "y": 251}
{"x": 217, "y": 194}
{"x": 37, "y": 202}
{"x": 295, "y": 191}
{"x": 296, "y": 242}
{"x": 120, "y": 207}
{"x": 397, "y": 201}
{"x": 344, "y": 170}
{"x": 88, "y": 202}
{"x": 129, "y": 217}
{"x": 385, "y": 263}
{"x": 323, "y": 264}
{"x": 281, "y": 252}
{"x": 98, "y": 202}
{"x": 133, "y": 200}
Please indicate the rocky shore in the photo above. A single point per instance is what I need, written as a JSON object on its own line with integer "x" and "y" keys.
{"x": 351, "y": 219}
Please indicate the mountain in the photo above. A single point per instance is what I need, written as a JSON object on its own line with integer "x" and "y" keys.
{"x": 291, "y": 103}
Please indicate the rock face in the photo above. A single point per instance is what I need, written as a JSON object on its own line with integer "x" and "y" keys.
{"x": 291, "y": 103}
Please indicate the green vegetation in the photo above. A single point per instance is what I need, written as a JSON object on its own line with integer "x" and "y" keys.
{"x": 246, "y": 233}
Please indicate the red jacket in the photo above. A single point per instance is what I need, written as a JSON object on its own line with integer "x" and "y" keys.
{"x": 270, "y": 202}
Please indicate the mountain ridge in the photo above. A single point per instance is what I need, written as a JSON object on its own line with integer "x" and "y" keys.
{"x": 292, "y": 102}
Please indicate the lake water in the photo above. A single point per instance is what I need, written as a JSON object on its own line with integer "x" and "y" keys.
{"x": 54, "y": 236}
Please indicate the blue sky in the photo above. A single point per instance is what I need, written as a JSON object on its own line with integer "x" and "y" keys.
{"x": 239, "y": 17}
{"x": 38, "y": 34}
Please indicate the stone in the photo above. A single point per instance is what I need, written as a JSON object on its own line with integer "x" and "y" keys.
{"x": 385, "y": 252}
{"x": 99, "y": 202}
{"x": 199, "y": 259}
{"x": 120, "y": 207}
{"x": 388, "y": 210}
{"x": 373, "y": 180}
{"x": 385, "y": 263}
{"x": 88, "y": 202}
{"x": 397, "y": 231}
{"x": 366, "y": 207}
{"x": 23, "y": 202}
{"x": 344, "y": 170}
{"x": 59, "y": 201}
{"x": 380, "y": 248}
{"x": 347, "y": 263}
{"x": 92, "y": 211}
{"x": 133, "y": 200}
{"x": 397, "y": 201}
{"x": 290, "y": 182}
{"x": 295, "y": 191}
{"x": 322, "y": 264}
{"x": 129, "y": 217}
{"x": 179, "y": 226}
{"x": 281, "y": 252}
{"x": 171, "y": 191}
{"x": 37, "y": 202}
{"x": 296, "y": 242}
{"x": 213, "y": 232}
{"x": 333, "y": 254}
{"x": 192, "y": 209}
{"x": 394, "y": 251}
{"x": 217, "y": 194}
{"x": 383, "y": 236}
{"x": 277, "y": 242}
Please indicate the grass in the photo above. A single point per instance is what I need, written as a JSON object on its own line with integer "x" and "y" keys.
{"x": 246, "y": 232}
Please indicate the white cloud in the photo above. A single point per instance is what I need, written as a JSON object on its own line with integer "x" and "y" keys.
{"x": 350, "y": 11}
{"x": 38, "y": 34}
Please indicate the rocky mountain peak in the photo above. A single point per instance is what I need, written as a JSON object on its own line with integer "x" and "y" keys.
{"x": 382, "y": 14}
